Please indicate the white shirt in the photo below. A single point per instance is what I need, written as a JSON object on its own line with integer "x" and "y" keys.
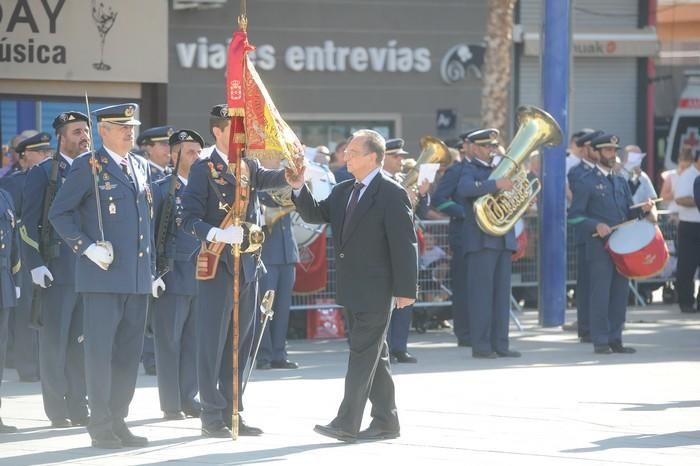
{"x": 67, "y": 159}
{"x": 183, "y": 180}
{"x": 684, "y": 187}
{"x": 116, "y": 157}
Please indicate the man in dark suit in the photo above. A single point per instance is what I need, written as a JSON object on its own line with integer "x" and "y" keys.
{"x": 488, "y": 257}
{"x": 376, "y": 258}
{"x": 115, "y": 281}
{"x": 52, "y": 266}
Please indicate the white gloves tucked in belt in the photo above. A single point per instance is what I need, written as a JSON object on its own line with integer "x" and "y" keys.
{"x": 100, "y": 255}
{"x": 231, "y": 235}
{"x": 41, "y": 276}
{"x": 158, "y": 288}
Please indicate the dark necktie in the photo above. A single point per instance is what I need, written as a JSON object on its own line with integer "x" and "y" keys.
{"x": 354, "y": 199}
{"x": 124, "y": 164}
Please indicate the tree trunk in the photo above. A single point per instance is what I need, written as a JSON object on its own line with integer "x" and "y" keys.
{"x": 497, "y": 64}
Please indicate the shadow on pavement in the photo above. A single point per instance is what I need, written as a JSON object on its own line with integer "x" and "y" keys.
{"x": 674, "y": 439}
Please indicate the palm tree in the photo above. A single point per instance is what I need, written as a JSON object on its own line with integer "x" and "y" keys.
{"x": 497, "y": 64}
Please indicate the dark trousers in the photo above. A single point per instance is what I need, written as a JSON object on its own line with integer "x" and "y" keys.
{"x": 688, "y": 262}
{"x": 608, "y": 291}
{"x": 148, "y": 356}
{"x": 460, "y": 315}
{"x": 488, "y": 298}
{"x": 369, "y": 374}
{"x": 4, "y": 330}
{"x": 61, "y": 354}
{"x": 175, "y": 341}
{"x": 114, "y": 325}
{"x": 399, "y": 328}
{"x": 25, "y": 340}
{"x": 279, "y": 277}
{"x": 215, "y": 344}
{"x": 582, "y": 292}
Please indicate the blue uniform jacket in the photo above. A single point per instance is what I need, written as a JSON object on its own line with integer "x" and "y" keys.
{"x": 180, "y": 247}
{"x": 10, "y": 262}
{"x": 473, "y": 184}
{"x": 127, "y": 218}
{"x": 62, "y": 261}
{"x": 280, "y": 246}
{"x": 696, "y": 191}
{"x": 574, "y": 174}
{"x": 597, "y": 199}
{"x": 445, "y": 200}
{"x": 201, "y": 205}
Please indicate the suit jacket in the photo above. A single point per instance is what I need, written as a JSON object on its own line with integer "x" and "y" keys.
{"x": 201, "y": 205}
{"x": 378, "y": 258}
{"x": 180, "y": 247}
{"x": 597, "y": 199}
{"x": 473, "y": 184}
{"x": 127, "y": 223}
{"x": 62, "y": 260}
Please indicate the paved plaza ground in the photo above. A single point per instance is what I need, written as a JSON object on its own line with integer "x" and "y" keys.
{"x": 559, "y": 404}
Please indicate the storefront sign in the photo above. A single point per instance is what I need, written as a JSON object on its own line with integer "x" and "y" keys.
{"x": 84, "y": 40}
{"x": 638, "y": 44}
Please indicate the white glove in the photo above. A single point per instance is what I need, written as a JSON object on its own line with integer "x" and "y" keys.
{"x": 41, "y": 276}
{"x": 18, "y": 292}
{"x": 158, "y": 288}
{"x": 99, "y": 255}
{"x": 231, "y": 235}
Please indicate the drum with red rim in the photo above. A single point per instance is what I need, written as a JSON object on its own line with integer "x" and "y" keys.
{"x": 638, "y": 249}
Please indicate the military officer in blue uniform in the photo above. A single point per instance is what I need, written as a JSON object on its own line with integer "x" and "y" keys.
{"x": 279, "y": 254}
{"x": 32, "y": 151}
{"x": 10, "y": 264}
{"x": 589, "y": 159}
{"x": 154, "y": 144}
{"x": 601, "y": 200}
{"x": 174, "y": 312}
{"x": 207, "y": 197}
{"x": 114, "y": 269}
{"x": 52, "y": 267}
{"x": 445, "y": 200}
{"x": 488, "y": 258}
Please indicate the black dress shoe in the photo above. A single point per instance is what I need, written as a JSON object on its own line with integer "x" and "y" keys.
{"x": 5, "y": 429}
{"x": 688, "y": 309}
{"x": 602, "y": 349}
{"x": 484, "y": 355}
{"x": 464, "y": 343}
{"x": 375, "y": 433}
{"x": 216, "y": 430}
{"x": 173, "y": 415}
{"x": 244, "y": 430}
{"x": 263, "y": 365}
{"x": 618, "y": 348}
{"x": 585, "y": 339}
{"x": 106, "y": 440}
{"x": 508, "y": 354}
{"x": 286, "y": 364}
{"x": 336, "y": 433}
{"x": 130, "y": 440}
{"x": 403, "y": 356}
{"x": 192, "y": 412}
{"x": 61, "y": 423}
{"x": 28, "y": 378}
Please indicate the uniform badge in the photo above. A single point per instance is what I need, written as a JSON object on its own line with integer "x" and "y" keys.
{"x": 600, "y": 186}
{"x": 62, "y": 165}
{"x": 112, "y": 208}
{"x": 220, "y": 181}
{"x": 105, "y": 176}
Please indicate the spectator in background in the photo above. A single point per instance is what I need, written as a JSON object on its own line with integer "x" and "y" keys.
{"x": 670, "y": 178}
{"x": 688, "y": 237}
{"x": 639, "y": 182}
{"x": 337, "y": 164}
{"x": 11, "y": 160}
{"x": 323, "y": 155}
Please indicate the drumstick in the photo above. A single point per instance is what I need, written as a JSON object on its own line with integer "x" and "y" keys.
{"x": 615, "y": 227}
{"x": 641, "y": 204}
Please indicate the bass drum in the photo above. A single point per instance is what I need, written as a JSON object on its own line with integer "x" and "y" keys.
{"x": 320, "y": 181}
{"x": 638, "y": 249}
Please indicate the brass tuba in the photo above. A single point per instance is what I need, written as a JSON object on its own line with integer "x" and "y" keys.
{"x": 433, "y": 150}
{"x": 497, "y": 213}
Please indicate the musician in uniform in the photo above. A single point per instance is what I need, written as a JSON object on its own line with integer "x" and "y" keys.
{"x": 207, "y": 198}
{"x": 10, "y": 291}
{"x": 600, "y": 200}
{"x": 112, "y": 237}
{"x": 588, "y": 160}
{"x": 25, "y": 348}
{"x": 173, "y": 313}
{"x": 279, "y": 254}
{"x": 488, "y": 257}
{"x": 446, "y": 201}
{"x": 52, "y": 266}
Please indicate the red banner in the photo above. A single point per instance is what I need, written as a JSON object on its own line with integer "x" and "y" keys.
{"x": 312, "y": 268}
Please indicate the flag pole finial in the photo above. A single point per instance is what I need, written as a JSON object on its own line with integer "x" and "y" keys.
{"x": 243, "y": 17}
